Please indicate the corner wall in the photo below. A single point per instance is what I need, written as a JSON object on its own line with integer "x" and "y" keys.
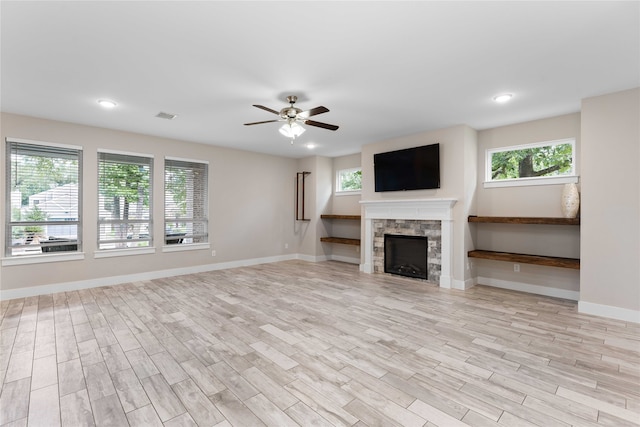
{"x": 610, "y": 244}
{"x": 540, "y": 200}
{"x": 343, "y": 204}
{"x": 317, "y": 201}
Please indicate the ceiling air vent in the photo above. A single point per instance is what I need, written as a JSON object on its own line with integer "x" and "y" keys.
{"x": 167, "y": 116}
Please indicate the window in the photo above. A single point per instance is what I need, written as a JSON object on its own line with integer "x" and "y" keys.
{"x": 185, "y": 202}
{"x": 349, "y": 180}
{"x": 124, "y": 200}
{"x": 550, "y": 162}
{"x": 43, "y": 198}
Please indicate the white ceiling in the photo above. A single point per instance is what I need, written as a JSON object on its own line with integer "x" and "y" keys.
{"x": 384, "y": 69}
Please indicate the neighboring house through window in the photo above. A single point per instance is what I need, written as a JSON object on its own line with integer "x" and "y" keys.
{"x": 185, "y": 201}
{"x": 43, "y": 199}
{"x": 124, "y": 200}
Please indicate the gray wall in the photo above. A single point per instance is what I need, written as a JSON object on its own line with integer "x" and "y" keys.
{"x": 542, "y": 200}
{"x": 250, "y": 204}
{"x": 610, "y": 241}
{"x": 343, "y": 204}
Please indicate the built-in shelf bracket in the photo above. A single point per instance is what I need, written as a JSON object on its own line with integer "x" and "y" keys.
{"x": 300, "y": 178}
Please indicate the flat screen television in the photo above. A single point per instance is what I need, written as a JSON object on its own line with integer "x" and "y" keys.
{"x": 415, "y": 168}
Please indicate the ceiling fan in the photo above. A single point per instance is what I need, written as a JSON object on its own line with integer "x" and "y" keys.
{"x": 292, "y": 116}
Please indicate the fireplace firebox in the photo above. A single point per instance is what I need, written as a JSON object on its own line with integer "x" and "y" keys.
{"x": 406, "y": 255}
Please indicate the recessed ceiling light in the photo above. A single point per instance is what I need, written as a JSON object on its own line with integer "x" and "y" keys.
{"x": 502, "y": 98}
{"x": 311, "y": 146}
{"x": 106, "y": 103}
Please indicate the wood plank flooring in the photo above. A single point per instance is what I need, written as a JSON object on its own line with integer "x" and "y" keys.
{"x": 312, "y": 344}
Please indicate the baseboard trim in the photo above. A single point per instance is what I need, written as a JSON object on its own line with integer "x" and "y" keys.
{"x": 529, "y": 288}
{"x": 150, "y": 275}
{"x": 312, "y": 258}
{"x": 609, "y": 311}
{"x": 463, "y": 285}
{"x": 349, "y": 260}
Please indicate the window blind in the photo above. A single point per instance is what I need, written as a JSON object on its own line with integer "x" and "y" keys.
{"x": 185, "y": 202}
{"x": 124, "y": 200}
{"x": 43, "y": 198}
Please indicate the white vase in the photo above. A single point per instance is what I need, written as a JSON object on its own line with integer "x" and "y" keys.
{"x": 570, "y": 201}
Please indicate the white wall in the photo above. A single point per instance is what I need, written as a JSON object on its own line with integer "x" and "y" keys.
{"x": 610, "y": 241}
{"x": 542, "y": 201}
{"x": 251, "y": 213}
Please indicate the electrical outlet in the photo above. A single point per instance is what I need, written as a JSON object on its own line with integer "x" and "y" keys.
{"x": 213, "y": 252}
{"x": 516, "y": 268}
{"x": 286, "y": 246}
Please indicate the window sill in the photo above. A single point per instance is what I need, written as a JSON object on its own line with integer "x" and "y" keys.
{"x": 522, "y": 182}
{"x": 39, "y": 259}
{"x": 110, "y": 253}
{"x": 347, "y": 193}
{"x": 186, "y": 247}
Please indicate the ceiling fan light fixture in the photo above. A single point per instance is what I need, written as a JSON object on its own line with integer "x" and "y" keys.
{"x": 292, "y": 130}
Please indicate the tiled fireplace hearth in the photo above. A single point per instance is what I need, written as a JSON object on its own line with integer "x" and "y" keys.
{"x": 427, "y": 217}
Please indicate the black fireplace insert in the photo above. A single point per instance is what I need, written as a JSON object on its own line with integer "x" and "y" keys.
{"x": 406, "y": 255}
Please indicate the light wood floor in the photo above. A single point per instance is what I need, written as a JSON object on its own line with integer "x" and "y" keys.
{"x": 296, "y": 343}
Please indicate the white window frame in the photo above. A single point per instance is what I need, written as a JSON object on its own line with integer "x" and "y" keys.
{"x": 8, "y": 258}
{"x": 567, "y": 178}
{"x": 185, "y": 246}
{"x": 339, "y": 191}
{"x": 105, "y": 253}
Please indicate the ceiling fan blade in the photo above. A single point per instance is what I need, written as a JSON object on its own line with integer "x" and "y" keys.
{"x": 262, "y": 107}
{"x": 314, "y": 111}
{"x": 259, "y": 123}
{"x": 321, "y": 125}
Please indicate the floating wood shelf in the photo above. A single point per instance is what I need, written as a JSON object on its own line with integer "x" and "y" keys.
{"x": 527, "y": 259}
{"x": 550, "y": 261}
{"x": 330, "y": 216}
{"x": 524, "y": 220}
{"x": 342, "y": 240}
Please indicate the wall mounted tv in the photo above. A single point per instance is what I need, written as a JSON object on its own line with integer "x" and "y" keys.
{"x": 415, "y": 168}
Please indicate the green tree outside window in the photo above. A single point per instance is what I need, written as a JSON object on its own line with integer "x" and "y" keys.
{"x": 540, "y": 161}
{"x": 350, "y": 180}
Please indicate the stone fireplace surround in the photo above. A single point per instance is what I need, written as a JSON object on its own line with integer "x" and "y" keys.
{"x": 411, "y": 217}
{"x": 408, "y": 227}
